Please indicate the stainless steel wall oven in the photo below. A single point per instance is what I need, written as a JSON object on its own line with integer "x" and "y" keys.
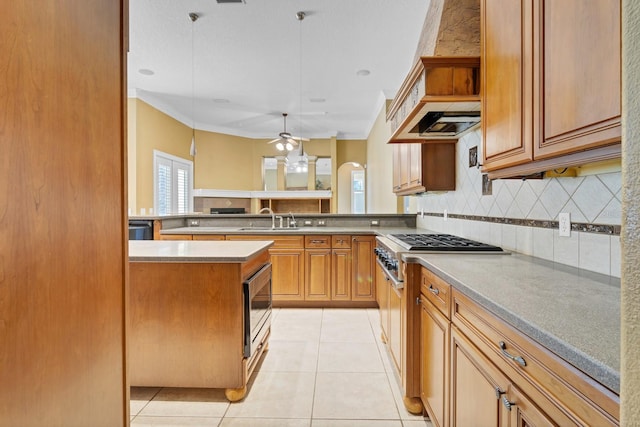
{"x": 257, "y": 309}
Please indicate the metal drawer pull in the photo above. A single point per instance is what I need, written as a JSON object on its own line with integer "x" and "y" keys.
{"x": 434, "y": 290}
{"x": 506, "y": 403}
{"x": 318, "y": 241}
{"x": 518, "y": 359}
{"x": 499, "y": 392}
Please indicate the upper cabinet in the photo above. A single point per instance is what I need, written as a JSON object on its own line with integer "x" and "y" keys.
{"x": 423, "y": 167}
{"x": 438, "y": 100}
{"x": 551, "y": 84}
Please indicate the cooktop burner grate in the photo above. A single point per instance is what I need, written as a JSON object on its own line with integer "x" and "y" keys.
{"x": 441, "y": 242}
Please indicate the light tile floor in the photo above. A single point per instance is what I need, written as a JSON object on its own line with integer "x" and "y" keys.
{"x": 324, "y": 368}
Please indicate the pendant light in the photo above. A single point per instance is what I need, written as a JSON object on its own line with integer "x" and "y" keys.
{"x": 302, "y": 157}
{"x": 192, "y": 150}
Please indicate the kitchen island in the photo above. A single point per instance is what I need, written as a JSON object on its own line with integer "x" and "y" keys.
{"x": 188, "y": 313}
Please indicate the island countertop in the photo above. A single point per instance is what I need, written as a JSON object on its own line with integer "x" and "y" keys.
{"x": 195, "y": 251}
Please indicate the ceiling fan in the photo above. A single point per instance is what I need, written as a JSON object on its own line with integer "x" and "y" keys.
{"x": 285, "y": 140}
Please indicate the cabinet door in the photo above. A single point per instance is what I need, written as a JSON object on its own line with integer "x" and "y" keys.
{"x": 415, "y": 165}
{"x": 363, "y": 268}
{"x": 341, "y": 272}
{"x": 524, "y": 413}
{"x": 405, "y": 153}
{"x": 318, "y": 274}
{"x": 434, "y": 362}
{"x": 507, "y": 76}
{"x": 476, "y": 385}
{"x": 287, "y": 274}
{"x": 382, "y": 292}
{"x": 580, "y": 75}
{"x": 397, "y": 167}
{"x": 395, "y": 326}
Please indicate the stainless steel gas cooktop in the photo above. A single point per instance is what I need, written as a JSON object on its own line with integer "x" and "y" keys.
{"x": 441, "y": 243}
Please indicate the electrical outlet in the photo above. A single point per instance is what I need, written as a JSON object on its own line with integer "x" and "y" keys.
{"x": 308, "y": 222}
{"x": 375, "y": 222}
{"x": 321, "y": 223}
{"x": 445, "y": 215}
{"x": 564, "y": 224}
{"x": 194, "y": 223}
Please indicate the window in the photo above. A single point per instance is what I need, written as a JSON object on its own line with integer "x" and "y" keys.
{"x": 357, "y": 191}
{"x": 172, "y": 184}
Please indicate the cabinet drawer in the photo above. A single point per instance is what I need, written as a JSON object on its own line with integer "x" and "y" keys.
{"x": 317, "y": 242}
{"x": 436, "y": 290}
{"x": 176, "y": 237}
{"x": 279, "y": 242}
{"x": 341, "y": 241}
{"x": 561, "y": 389}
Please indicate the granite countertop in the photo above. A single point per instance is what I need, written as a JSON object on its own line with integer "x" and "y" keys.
{"x": 195, "y": 251}
{"x": 379, "y": 231}
{"x": 573, "y": 313}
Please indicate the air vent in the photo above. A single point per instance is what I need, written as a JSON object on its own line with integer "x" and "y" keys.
{"x": 230, "y": 1}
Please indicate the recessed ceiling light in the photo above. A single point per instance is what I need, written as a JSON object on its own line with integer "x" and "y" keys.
{"x": 146, "y": 72}
{"x": 220, "y": 100}
{"x": 363, "y": 73}
{"x": 318, "y": 100}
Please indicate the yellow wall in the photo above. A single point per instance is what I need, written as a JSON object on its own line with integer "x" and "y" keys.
{"x": 131, "y": 155}
{"x": 222, "y": 162}
{"x": 379, "y": 173}
{"x": 354, "y": 150}
{"x": 155, "y": 130}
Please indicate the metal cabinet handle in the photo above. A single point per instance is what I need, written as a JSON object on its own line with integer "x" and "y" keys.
{"x": 499, "y": 392}
{"x": 317, "y": 241}
{"x": 418, "y": 301}
{"x": 518, "y": 359}
{"x": 433, "y": 290}
{"x": 506, "y": 403}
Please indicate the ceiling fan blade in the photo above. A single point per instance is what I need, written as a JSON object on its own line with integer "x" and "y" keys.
{"x": 292, "y": 141}
{"x": 299, "y": 138}
{"x": 274, "y": 140}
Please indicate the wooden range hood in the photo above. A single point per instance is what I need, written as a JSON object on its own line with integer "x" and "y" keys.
{"x": 439, "y": 101}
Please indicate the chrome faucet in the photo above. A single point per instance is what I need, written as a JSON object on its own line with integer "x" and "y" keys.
{"x": 292, "y": 223}
{"x": 273, "y": 216}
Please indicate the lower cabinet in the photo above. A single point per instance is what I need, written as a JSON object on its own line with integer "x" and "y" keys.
{"x": 434, "y": 363}
{"x": 320, "y": 268}
{"x": 382, "y": 297}
{"x": 318, "y": 274}
{"x": 484, "y": 396}
{"x": 394, "y": 334}
{"x": 476, "y": 370}
{"x": 363, "y": 268}
{"x": 287, "y": 265}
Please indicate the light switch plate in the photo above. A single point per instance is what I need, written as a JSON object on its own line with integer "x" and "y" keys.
{"x": 564, "y": 224}
{"x": 445, "y": 215}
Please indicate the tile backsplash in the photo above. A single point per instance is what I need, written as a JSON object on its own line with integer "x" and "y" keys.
{"x": 592, "y": 199}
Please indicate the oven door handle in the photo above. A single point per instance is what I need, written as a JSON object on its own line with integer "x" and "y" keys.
{"x": 396, "y": 284}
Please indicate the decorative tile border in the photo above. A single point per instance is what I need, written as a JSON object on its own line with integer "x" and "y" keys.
{"x": 575, "y": 226}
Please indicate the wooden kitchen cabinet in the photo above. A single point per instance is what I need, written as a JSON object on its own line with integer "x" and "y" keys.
{"x": 420, "y": 167}
{"x": 341, "y": 268}
{"x": 364, "y": 286}
{"x": 317, "y": 256}
{"x": 394, "y": 334}
{"x": 382, "y": 297}
{"x": 546, "y": 387}
{"x": 287, "y": 265}
{"x": 209, "y": 237}
{"x": 551, "y": 74}
{"x": 435, "y": 332}
{"x": 176, "y": 237}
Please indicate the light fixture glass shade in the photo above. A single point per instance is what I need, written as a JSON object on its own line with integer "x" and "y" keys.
{"x": 289, "y": 146}
{"x": 279, "y": 146}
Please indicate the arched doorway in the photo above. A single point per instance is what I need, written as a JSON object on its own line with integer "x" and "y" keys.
{"x": 351, "y": 188}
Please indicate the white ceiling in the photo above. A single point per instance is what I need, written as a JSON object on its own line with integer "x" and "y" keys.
{"x": 250, "y": 55}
